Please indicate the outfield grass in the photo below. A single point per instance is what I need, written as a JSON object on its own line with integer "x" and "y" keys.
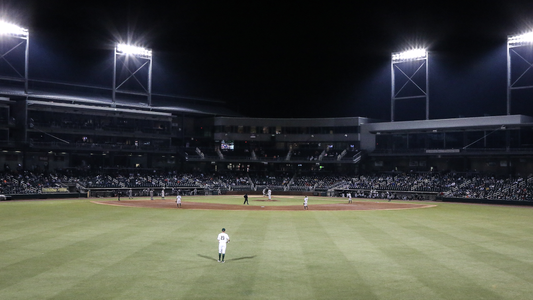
{"x": 74, "y": 249}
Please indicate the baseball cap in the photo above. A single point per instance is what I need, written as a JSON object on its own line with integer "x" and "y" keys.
{"x": 223, "y": 229}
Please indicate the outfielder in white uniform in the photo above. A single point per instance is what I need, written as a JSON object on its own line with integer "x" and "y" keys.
{"x": 163, "y": 194}
{"x": 269, "y": 193}
{"x": 223, "y": 239}
{"x": 349, "y": 197}
{"x": 178, "y": 200}
{"x": 305, "y": 202}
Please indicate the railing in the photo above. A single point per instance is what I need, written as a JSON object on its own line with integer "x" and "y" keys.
{"x": 288, "y": 157}
{"x": 321, "y": 156}
{"x": 452, "y": 151}
{"x": 97, "y": 146}
{"x": 48, "y": 127}
{"x": 220, "y": 155}
{"x": 357, "y": 157}
{"x": 343, "y": 153}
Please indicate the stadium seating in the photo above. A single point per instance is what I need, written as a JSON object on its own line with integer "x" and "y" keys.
{"x": 379, "y": 185}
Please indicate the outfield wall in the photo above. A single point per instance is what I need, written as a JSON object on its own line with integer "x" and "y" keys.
{"x": 47, "y": 196}
{"x": 487, "y": 201}
{"x": 281, "y": 193}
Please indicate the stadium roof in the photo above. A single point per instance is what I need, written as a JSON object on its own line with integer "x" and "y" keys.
{"x": 476, "y": 123}
{"x": 87, "y": 95}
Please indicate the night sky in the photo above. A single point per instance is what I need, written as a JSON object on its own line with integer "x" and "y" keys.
{"x": 287, "y": 58}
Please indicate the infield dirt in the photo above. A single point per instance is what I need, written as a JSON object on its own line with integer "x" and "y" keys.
{"x": 367, "y": 205}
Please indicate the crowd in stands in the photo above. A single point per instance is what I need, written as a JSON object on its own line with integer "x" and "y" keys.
{"x": 270, "y": 154}
{"x": 28, "y": 183}
{"x": 490, "y": 187}
{"x": 382, "y": 185}
{"x": 421, "y": 182}
{"x": 279, "y": 182}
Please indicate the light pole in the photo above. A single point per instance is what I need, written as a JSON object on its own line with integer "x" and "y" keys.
{"x": 514, "y": 44}
{"x": 143, "y": 54}
{"x": 17, "y": 32}
{"x": 398, "y": 60}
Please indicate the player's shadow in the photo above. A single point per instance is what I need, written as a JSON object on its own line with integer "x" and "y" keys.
{"x": 243, "y": 257}
{"x": 237, "y": 258}
{"x": 207, "y": 257}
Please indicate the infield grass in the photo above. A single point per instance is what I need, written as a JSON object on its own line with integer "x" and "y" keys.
{"x": 74, "y": 249}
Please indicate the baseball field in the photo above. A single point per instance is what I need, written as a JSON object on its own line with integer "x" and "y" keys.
{"x": 80, "y": 249}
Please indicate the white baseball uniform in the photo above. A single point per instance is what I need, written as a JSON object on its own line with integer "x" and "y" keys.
{"x": 178, "y": 199}
{"x": 222, "y": 238}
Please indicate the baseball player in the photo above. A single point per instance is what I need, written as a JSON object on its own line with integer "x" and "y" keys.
{"x": 305, "y": 202}
{"x": 223, "y": 239}
{"x": 349, "y": 197}
{"x": 163, "y": 194}
{"x": 178, "y": 200}
{"x": 130, "y": 194}
{"x": 151, "y": 194}
{"x": 246, "y": 199}
{"x": 269, "y": 193}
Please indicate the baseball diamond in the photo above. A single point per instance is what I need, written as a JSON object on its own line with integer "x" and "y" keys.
{"x": 221, "y": 206}
{"x": 135, "y": 249}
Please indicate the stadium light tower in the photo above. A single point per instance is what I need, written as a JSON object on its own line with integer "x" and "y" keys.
{"x": 12, "y": 31}
{"x": 518, "y": 46}
{"x": 417, "y": 59}
{"x": 142, "y": 59}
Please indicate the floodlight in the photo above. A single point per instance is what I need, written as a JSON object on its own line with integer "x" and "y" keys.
{"x": 521, "y": 39}
{"x": 144, "y": 58}
{"x": 418, "y": 57}
{"x": 413, "y": 54}
{"x": 517, "y": 46}
{"x": 133, "y": 50}
{"x": 13, "y": 30}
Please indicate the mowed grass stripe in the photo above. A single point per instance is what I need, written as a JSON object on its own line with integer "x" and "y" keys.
{"x": 495, "y": 244}
{"x": 137, "y": 253}
{"x": 235, "y": 278}
{"x": 502, "y": 264}
{"x": 46, "y": 217}
{"x": 243, "y": 256}
{"x": 36, "y": 252}
{"x": 333, "y": 272}
{"x": 116, "y": 268}
{"x": 283, "y": 263}
{"x": 448, "y": 271}
{"x": 375, "y": 275}
{"x": 503, "y": 220}
{"x": 147, "y": 266}
{"x": 68, "y": 243}
{"x": 57, "y": 255}
{"x": 190, "y": 251}
{"x": 509, "y": 225}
